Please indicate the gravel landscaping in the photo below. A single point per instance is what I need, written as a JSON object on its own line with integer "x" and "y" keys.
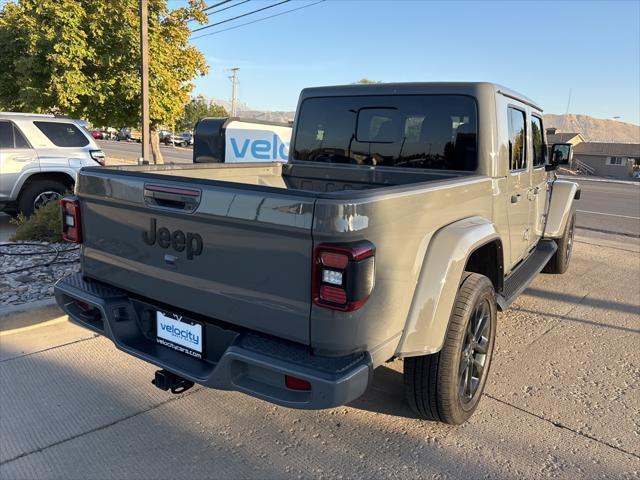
{"x": 28, "y": 270}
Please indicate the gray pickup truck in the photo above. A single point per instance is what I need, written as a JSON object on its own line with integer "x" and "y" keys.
{"x": 407, "y": 216}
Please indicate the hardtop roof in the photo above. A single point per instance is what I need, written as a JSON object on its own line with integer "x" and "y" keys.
{"x": 416, "y": 88}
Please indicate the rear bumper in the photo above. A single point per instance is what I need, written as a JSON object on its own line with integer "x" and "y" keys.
{"x": 234, "y": 359}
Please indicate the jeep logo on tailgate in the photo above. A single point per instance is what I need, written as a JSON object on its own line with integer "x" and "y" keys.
{"x": 178, "y": 240}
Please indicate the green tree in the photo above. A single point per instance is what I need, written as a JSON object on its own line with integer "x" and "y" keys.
{"x": 196, "y": 109}
{"x": 366, "y": 81}
{"x": 81, "y": 58}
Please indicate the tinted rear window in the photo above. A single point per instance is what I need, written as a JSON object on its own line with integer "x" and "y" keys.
{"x": 63, "y": 134}
{"x": 415, "y": 131}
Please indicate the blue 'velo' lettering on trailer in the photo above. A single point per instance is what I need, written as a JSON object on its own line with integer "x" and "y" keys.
{"x": 261, "y": 149}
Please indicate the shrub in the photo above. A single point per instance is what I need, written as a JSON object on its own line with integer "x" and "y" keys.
{"x": 45, "y": 225}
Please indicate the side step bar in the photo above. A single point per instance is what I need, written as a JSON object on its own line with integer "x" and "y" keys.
{"x": 521, "y": 277}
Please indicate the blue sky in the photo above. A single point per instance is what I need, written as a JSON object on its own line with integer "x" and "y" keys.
{"x": 541, "y": 49}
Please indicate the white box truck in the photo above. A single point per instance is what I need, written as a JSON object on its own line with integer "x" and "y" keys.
{"x": 239, "y": 140}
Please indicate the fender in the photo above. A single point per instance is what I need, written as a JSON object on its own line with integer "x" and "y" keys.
{"x": 438, "y": 284}
{"x": 26, "y": 174}
{"x": 22, "y": 179}
{"x": 561, "y": 207}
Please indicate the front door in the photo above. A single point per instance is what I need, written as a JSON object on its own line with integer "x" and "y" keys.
{"x": 518, "y": 185}
{"x": 539, "y": 186}
{"x": 16, "y": 157}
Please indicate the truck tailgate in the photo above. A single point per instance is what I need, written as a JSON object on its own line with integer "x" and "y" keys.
{"x": 242, "y": 255}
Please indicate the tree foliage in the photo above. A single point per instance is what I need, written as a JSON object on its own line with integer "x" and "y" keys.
{"x": 82, "y": 58}
{"x": 366, "y": 81}
{"x": 196, "y": 109}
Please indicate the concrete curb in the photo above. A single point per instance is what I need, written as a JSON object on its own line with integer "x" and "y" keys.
{"x": 601, "y": 180}
{"x": 7, "y": 310}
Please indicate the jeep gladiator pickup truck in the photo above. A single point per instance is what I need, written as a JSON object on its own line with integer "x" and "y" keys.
{"x": 406, "y": 217}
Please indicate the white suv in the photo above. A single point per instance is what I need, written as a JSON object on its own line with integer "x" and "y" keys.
{"x": 39, "y": 158}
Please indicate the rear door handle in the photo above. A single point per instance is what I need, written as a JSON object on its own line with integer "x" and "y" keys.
{"x": 515, "y": 198}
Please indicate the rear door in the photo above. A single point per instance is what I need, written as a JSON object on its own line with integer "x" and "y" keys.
{"x": 518, "y": 183}
{"x": 233, "y": 252}
{"x": 17, "y": 158}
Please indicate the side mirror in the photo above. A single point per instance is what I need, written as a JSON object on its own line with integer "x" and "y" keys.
{"x": 561, "y": 154}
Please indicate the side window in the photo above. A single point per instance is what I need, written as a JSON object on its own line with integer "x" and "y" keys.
{"x": 517, "y": 139}
{"x": 536, "y": 140}
{"x": 19, "y": 139}
{"x": 63, "y": 134}
{"x": 6, "y": 135}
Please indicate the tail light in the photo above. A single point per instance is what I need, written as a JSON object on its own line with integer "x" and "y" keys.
{"x": 343, "y": 275}
{"x": 71, "y": 226}
{"x": 98, "y": 156}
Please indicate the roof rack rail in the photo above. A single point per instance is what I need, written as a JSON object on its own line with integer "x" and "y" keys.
{"x": 25, "y": 114}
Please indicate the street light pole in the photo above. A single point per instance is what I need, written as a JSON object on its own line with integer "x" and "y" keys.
{"x": 144, "y": 77}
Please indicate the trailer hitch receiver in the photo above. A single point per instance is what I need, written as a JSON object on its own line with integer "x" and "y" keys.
{"x": 165, "y": 380}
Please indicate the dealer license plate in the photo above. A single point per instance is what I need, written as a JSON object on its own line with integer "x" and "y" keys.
{"x": 175, "y": 332}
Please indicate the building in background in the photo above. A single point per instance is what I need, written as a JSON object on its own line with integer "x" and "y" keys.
{"x": 603, "y": 159}
{"x": 554, "y": 137}
{"x": 611, "y": 160}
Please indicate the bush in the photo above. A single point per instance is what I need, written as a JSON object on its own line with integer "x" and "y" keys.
{"x": 45, "y": 225}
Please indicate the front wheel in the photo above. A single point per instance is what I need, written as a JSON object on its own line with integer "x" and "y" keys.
{"x": 446, "y": 386}
{"x": 559, "y": 263}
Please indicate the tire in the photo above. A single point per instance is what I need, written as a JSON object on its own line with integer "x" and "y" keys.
{"x": 559, "y": 263}
{"x": 38, "y": 193}
{"x": 434, "y": 383}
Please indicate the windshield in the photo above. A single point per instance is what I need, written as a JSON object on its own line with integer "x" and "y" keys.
{"x": 415, "y": 131}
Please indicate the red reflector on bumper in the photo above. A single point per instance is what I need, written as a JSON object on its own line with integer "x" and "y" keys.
{"x": 297, "y": 383}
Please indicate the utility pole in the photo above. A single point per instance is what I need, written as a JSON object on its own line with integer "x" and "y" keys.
{"x": 234, "y": 90}
{"x": 144, "y": 78}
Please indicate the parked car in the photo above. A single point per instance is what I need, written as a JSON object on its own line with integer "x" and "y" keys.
{"x": 162, "y": 134}
{"x": 406, "y": 217}
{"x": 188, "y": 138}
{"x": 40, "y": 156}
{"x": 109, "y": 133}
{"x": 129, "y": 134}
{"x": 97, "y": 134}
{"x": 175, "y": 139}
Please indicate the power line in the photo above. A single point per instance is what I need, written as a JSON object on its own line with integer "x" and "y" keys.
{"x": 216, "y": 5}
{"x": 240, "y": 16}
{"x": 227, "y": 8}
{"x": 258, "y": 20}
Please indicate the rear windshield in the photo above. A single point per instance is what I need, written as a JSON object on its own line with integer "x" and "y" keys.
{"x": 415, "y": 131}
{"x": 63, "y": 134}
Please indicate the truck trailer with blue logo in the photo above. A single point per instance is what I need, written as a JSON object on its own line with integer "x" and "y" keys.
{"x": 238, "y": 140}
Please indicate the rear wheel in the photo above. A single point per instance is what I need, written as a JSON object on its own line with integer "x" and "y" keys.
{"x": 446, "y": 386}
{"x": 39, "y": 193}
{"x": 559, "y": 263}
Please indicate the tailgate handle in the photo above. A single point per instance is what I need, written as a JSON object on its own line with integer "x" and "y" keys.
{"x": 172, "y": 198}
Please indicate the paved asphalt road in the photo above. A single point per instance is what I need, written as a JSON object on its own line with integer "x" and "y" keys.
{"x": 562, "y": 401}
{"x": 132, "y": 151}
{"x": 609, "y": 207}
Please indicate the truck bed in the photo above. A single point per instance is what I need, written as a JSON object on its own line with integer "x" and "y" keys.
{"x": 306, "y": 177}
